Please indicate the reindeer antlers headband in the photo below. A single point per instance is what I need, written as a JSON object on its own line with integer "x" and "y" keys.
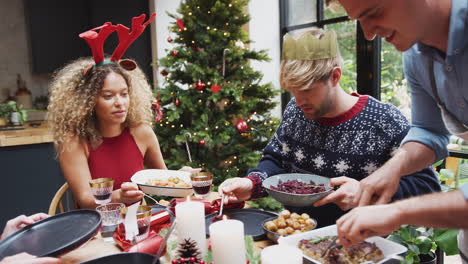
{"x": 96, "y": 40}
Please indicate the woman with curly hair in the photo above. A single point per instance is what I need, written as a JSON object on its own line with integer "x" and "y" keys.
{"x": 100, "y": 114}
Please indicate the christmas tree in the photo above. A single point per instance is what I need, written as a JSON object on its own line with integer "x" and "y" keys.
{"x": 212, "y": 100}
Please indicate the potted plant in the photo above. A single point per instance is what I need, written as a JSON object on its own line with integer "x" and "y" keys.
{"x": 422, "y": 243}
{"x": 4, "y": 114}
{"x": 17, "y": 115}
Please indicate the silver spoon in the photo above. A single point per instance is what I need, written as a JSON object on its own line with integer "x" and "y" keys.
{"x": 222, "y": 205}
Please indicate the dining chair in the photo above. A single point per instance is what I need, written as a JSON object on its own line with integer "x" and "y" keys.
{"x": 61, "y": 197}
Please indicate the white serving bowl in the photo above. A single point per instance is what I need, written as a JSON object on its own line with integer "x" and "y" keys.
{"x": 141, "y": 178}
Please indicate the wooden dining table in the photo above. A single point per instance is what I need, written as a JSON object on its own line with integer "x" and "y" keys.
{"x": 96, "y": 247}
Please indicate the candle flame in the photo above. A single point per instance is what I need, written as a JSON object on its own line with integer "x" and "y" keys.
{"x": 225, "y": 217}
{"x": 188, "y": 198}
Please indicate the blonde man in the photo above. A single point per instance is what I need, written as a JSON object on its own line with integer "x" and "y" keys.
{"x": 328, "y": 132}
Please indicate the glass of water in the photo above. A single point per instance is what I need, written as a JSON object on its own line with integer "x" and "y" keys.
{"x": 110, "y": 216}
{"x": 102, "y": 189}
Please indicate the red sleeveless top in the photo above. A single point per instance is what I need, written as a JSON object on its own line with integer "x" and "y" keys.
{"x": 116, "y": 157}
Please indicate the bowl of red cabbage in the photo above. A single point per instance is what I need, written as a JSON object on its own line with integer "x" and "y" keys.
{"x": 297, "y": 189}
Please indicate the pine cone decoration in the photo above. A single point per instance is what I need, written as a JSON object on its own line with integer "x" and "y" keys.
{"x": 189, "y": 249}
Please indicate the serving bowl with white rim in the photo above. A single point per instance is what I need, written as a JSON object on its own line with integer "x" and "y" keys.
{"x": 389, "y": 248}
{"x": 293, "y": 199}
{"x": 141, "y": 178}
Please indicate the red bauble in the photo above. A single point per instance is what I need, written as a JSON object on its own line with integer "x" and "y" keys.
{"x": 174, "y": 53}
{"x": 177, "y": 102}
{"x": 241, "y": 126}
{"x": 192, "y": 259}
{"x": 164, "y": 73}
{"x": 169, "y": 39}
{"x": 202, "y": 142}
{"x": 180, "y": 24}
{"x": 174, "y": 261}
{"x": 215, "y": 88}
{"x": 199, "y": 85}
{"x": 195, "y": 48}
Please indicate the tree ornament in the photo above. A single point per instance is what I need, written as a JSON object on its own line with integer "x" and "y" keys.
{"x": 188, "y": 249}
{"x": 202, "y": 142}
{"x": 169, "y": 39}
{"x": 177, "y": 102}
{"x": 158, "y": 114}
{"x": 241, "y": 126}
{"x": 240, "y": 44}
{"x": 223, "y": 103}
{"x": 174, "y": 53}
{"x": 200, "y": 85}
{"x": 180, "y": 24}
{"x": 196, "y": 49}
{"x": 215, "y": 88}
{"x": 164, "y": 73}
{"x": 224, "y": 61}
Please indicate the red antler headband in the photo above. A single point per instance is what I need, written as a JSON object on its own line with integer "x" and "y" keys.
{"x": 96, "y": 40}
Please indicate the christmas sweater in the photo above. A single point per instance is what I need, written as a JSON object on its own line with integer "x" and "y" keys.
{"x": 353, "y": 144}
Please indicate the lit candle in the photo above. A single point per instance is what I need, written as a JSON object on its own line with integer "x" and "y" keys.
{"x": 227, "y": 242}
{"x": 190, "y": 223}
{"x": 279, "y": 254}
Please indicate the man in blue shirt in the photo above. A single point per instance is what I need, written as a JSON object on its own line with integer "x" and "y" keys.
{"x": 434, "y": 34}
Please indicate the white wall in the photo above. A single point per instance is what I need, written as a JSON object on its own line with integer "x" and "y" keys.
{"x": 15, "y": 51}
{"x": 263, "y": 29}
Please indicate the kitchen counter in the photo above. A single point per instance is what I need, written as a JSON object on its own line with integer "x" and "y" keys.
{"x": 29, "y": 135}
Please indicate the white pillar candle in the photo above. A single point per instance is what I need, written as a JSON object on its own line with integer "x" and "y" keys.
{"x": 280, "y": 254}
{"x": 190, "y": 223}
{"x": 227, "y": 242}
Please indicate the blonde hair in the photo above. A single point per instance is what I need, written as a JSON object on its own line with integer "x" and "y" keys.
{"x": 73, "y": 96}
{"x": 299, "y": 74}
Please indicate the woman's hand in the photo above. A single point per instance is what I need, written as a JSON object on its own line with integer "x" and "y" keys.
{"x": 21, "y": 221}
{"x": 129, "y": 193}
{"x": 190, "y": 169}
{"x": 236, "y": 189}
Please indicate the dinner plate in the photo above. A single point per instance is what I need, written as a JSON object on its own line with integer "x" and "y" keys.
{"x": 389, "y": 248}
{"x": 124, "y": 258}
{"x": 54, "y": 235}
{"x": 252, "y": 219}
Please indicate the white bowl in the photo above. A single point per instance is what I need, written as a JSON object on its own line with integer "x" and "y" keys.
{"x": 389, "y": 248}
{"x": 141, "y": 178}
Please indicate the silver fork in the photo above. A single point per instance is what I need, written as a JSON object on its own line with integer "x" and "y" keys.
{"x": 332, "y": 245}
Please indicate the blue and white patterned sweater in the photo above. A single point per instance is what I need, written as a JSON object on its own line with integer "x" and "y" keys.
{"x": 353, "y": 144}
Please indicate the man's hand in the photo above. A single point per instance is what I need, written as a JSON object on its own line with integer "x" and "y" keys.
{"x": 378, "y": 188}
{"x": 367, "y": 221}
{"x": 129, "y": 193}
{"x": 190, "y": 169}
{"x": 344, "y": 196}
{"x": 236, "y": 189}
{"x": 21, "y": 221}
{"x": 25, "y": 258}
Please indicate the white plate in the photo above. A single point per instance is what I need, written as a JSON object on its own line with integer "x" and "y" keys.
{"x": 142, "y": 177}
{"x": 388, "y": 248}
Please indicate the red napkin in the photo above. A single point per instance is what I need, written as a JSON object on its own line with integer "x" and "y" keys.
{"x": 216, "y": 205}
{"x": 150, "y": 244}
{"x": 210, "y": 208}
{"x": 176, "y": 201}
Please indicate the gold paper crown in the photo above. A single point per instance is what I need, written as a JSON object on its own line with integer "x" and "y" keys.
{"x": 308, "y": 47}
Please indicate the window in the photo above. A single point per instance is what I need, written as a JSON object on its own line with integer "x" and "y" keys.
{"x": 362, "y": 57}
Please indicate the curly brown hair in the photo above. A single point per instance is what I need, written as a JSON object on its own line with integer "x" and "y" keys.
{"x": 73, "y": 96}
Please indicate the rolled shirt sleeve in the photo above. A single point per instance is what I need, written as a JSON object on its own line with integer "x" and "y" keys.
{"x": 427, "y": 126}
{"x": 464, "y": 189}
